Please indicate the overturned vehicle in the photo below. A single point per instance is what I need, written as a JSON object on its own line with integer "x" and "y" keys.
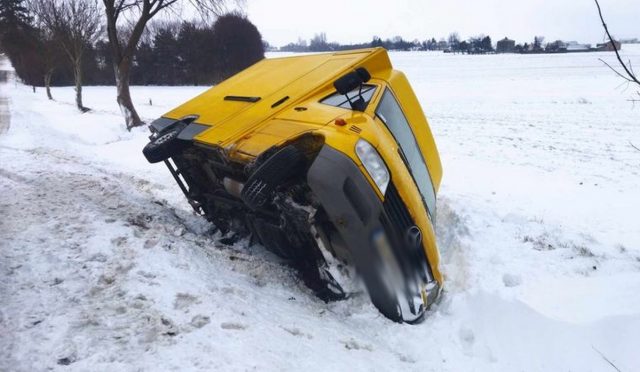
{"x": 326, "y": 160}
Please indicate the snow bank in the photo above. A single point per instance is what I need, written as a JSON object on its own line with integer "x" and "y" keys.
{"x": 104, "y": 267}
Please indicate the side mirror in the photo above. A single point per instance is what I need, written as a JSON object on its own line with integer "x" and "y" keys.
{"x": 352, "y": 80}
{"x": 364, "y": 74}
{"x": 347, "y": 83}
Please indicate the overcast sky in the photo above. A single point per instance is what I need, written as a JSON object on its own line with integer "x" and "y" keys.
{"x": 348, "y": 21}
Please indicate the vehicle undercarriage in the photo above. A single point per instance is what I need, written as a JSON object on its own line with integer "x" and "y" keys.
{"x": 280, "y": 213}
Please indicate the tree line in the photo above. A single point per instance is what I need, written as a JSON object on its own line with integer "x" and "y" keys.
{"x": 481, "y": 44}
{"x": 115, "y": 42}
{"x": 319, "y": 43}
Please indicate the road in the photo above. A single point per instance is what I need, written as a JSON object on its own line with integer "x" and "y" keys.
{"x": 5, "y": 117}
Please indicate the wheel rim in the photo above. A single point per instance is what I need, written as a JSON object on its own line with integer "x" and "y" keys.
{"x": 165, "y": 138}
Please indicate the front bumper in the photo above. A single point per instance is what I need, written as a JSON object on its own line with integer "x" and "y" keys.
{"x": 368, "y": 227}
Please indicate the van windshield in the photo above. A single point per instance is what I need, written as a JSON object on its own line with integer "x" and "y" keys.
{"x": 390, "y": 112}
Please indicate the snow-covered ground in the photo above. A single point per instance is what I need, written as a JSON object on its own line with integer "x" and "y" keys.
{"x": 104, "y": 267}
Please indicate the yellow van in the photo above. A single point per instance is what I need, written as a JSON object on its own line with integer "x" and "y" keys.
{"x": 325, "y": 159}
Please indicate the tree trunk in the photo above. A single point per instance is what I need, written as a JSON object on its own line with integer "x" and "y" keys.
{"x": 47, "y": 83}
{"x": 34, "y": 88}
{"x": 77, "y": 75}
{"x": 123, "y": 54}
{"x": 131, "y": 117}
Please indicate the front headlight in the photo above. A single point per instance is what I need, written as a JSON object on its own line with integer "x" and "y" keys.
{"x": 373, "y": 164}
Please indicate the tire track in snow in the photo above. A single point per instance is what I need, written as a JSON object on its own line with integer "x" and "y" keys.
{"x": 74, "y": 241}
{"x": 49, "y": 228}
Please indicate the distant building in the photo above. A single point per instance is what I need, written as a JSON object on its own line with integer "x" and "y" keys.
{"x": 574, "y": 46}
{"x": 442, "y": 45}
{"x": 609, "y": 46}
{"x": 506, "y": 46}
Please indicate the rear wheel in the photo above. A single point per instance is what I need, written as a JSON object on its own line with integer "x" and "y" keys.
{"x": 166, "y": 145}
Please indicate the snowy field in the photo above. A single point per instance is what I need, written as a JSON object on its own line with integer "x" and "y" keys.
{"x": 103, "y": 267}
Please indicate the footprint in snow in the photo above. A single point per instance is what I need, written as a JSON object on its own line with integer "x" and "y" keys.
{"x": 169, "y": 327}
{"x": 355, "y": 345}
{"x": 150, "y": 243}
{"x": 234, "y": 326}
{"x": 200, "y": 321}
{"x": 66, "y": 353}
{"x": 184, "y": 300}
{"x": 511, "y": 280}
{"x": 467, "y": 337}
{"x": 297, "y": 332}
{"x": 405, "y": 358}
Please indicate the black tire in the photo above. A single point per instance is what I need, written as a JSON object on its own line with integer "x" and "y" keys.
{"x": 279, "y": 168}
{"x": 165, "y": 145}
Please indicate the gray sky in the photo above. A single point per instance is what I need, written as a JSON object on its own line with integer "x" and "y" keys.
{"x": 283, "y": 21}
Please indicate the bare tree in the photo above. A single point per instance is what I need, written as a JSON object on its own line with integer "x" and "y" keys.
{"x": 537, "y": 43}
{"x": 454, "y": 41}
{"x": 50, "y": 60}
{"x": 47, "y": 44}
{"x": 74, "y": 25}
{"x": 138, "y": 13}
{"x": 627, "y": 73}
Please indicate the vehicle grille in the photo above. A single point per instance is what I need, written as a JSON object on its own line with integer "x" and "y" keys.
{"x": 396, "y": 210}
{"x": 396, "y": 221}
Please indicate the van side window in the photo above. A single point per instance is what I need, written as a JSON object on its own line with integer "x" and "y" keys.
{"x": 338, "y": 100}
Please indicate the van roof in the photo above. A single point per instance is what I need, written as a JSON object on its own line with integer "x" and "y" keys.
{"x": 273, "y": 84}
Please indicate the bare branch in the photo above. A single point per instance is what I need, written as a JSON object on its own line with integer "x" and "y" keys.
{"x": 630, "y": 76}
{"x": 625, "y": 84}
{"x": 616, "y": 71}
{"x": 606, "y": 359}
{"x": 209, "y": 8}
{"x": 156, "y": 6}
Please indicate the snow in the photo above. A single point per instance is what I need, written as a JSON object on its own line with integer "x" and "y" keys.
{"x": 104, "y": 267}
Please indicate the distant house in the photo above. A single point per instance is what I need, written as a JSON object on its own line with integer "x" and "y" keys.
{"x": 630, "y": 41}
{"x": 506, "y": 46}
{"x": 442, "y": 45}
{"x": 574, "y": 46}
{"x": 609, "y": 46}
